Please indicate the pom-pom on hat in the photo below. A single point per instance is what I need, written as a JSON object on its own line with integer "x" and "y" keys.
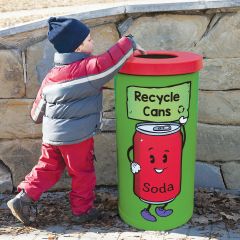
{"x": 66, "y": 34}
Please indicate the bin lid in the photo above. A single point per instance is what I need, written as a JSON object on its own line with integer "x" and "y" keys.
{"x": 162, "y": 63}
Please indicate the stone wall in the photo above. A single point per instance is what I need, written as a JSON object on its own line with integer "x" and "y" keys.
{"x": 25, "y": 58}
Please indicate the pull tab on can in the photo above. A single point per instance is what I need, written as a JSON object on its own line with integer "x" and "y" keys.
{"x": 160, "y": 128}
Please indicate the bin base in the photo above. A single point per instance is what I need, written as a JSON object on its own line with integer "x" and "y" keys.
{"x": 152, "y": 227}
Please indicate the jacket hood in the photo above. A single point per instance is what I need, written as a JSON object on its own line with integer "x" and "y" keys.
{"x": 68, "y": 58}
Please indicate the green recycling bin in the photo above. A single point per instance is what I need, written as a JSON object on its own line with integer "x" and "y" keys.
{"x": 156, "y": 101}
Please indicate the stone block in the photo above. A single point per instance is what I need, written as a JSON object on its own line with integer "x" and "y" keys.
{"x": 16, "y": 121}
{"x": 110, "y": 84}
{"x": 21, "y": 40}
{"x": 5, "y": 179}
{"x": 168, "y": 31}
{"x": 218, "y": 143}
{"x": 123, "y": 27}
{"x": 231, "y": 174}
{"x": 105, "y": 151}
{"x": 104, "y": 37}
{"x": 11, "y": 74}
{"x": 173, "y": 5}
{"x": 21, "y": 155}
{"x": 39, "y": 60}
{"x": 220, "y": 74}
{"x": 108, "y": 108}
{"x": 103, "y": 20}
{"x": 222, "y": 39}
{"x": 109, "y": 125}
{"x": 108, "y": 100}
{"x": 219, "y": 107}
{"x": 109, "y": 115}
{"x": 208, "y": 176}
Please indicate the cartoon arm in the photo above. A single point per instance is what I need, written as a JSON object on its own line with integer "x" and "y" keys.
{"x": 182, "y": 121}
{"x": 135, "y": 167}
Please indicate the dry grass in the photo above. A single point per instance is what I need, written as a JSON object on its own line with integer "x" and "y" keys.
{"x": 17, "y": 5}
{"x": 15, "y": 12}
{"x": 210, "y": 207}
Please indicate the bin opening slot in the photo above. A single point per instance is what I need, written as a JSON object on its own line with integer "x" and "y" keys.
{"x": 156, "y": 56}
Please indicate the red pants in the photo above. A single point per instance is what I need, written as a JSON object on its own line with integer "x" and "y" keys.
{"x": 79, "y": 160}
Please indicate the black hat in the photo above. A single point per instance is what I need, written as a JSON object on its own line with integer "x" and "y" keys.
{"x": 66, "y": 34}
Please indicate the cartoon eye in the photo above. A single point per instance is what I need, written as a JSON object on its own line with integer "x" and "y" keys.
{"x": 152, "y": 159}
{"x": 165, "y": 158}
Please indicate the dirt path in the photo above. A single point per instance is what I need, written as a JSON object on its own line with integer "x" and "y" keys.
{"x": 16, "y": 5}
{"x": 53, "y": 209}
{"x": 15, "y": 12}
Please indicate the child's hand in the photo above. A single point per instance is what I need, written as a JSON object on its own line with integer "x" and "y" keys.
{"x": 136, "y": 46}
{"x": 140, "y": 49}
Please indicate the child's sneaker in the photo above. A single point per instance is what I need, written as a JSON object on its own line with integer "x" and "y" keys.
{"x": 21, "y": 207}
{"x": 86, "y": 217}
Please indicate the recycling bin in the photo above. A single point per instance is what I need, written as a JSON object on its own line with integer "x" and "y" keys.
{"x": 156, "y": 106}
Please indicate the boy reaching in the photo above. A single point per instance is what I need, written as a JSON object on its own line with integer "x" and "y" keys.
{"x": 69, "y": 105}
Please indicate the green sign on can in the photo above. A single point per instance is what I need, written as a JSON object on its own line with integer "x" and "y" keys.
{"x": 158, "y": 104}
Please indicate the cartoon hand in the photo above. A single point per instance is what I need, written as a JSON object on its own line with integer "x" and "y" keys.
{"x": 183, "y": 120}
{"x": 135, "y": 167}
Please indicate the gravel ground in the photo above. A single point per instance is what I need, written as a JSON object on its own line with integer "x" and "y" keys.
{"x": 211, "y": 207}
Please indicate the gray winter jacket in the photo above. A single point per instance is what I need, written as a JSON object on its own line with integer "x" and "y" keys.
{"x": 69, "y": 102}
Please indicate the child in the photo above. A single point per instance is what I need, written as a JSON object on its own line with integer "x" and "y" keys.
{"x": 69, "y": 105}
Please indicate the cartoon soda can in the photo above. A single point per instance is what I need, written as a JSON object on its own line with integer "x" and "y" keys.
{"x": 157, "y": 153}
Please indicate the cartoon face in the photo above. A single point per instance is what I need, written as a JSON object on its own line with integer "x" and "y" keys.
{"x": 158, "y": 159}
{"x": 158, "y": 155}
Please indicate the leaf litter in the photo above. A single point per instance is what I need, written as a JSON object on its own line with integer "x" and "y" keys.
{"x": 53, "y": 209}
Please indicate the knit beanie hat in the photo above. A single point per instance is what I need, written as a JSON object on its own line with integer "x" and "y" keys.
{"x": 66, "y": 34}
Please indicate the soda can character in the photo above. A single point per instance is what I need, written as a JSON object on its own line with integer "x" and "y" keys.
{"x": 157, "y": 165}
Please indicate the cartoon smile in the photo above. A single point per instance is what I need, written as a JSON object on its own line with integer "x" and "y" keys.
{"x": 157, "y": 170}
